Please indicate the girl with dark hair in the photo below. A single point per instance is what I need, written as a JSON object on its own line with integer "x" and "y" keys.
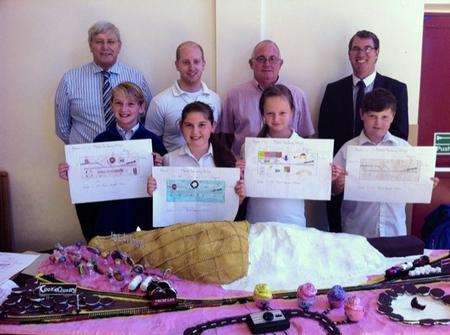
{"x": 201, "y": 149}
{"x": 277, "y": 111}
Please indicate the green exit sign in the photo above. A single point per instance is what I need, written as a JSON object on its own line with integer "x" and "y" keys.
{"x": 442, "y": 142}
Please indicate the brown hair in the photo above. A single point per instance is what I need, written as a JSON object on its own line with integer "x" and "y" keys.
{"x": 274, "y": 91}
{"x": 378, "y": 100}
{"x": 365, "y": 34}
{"x": 222, "y": 156}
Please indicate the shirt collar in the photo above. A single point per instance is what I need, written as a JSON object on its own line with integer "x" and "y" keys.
{"x": 122, "y": 131}
{"x": 177, "y": 91}
{"x": 363, "y": 139}
{"x": 367, "y": 81}
{"x": 187, "y": 151}
{"x": 113, "y": 69}
{"x": 258, "y": 86}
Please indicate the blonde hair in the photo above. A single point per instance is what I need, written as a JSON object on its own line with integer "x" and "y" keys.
{"x": 130, "y": 90}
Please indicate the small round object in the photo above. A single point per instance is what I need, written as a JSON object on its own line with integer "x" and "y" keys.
{"x": 92, "y": 300}
{"x": 384, "y": 299}
{"x": 268, "y": 316}
{"x": 437, "y": 293}
{"x": 60, "y": 300}
{"x": 395, "y": 317}
{"x": 423, "y": 290}
{"x": 36, "y": 298}
{"x": 17, "y": 311}
{"x": 47, "y": 304}
{"x": 118, "y": 275}
{"x": 138, "y": 268}
{"x": 392, "y": 293}
{"x": 399, "y": 290}
{"x": 18, "y": 290}
{"x": 385, "y": 309}
{"x": 410, "y": 289}
{"x": 446, "y": 299}
{"x": 427, "y": 322}
{"x": 106, "y": 301}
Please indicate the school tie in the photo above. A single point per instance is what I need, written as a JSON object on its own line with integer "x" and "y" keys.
{"x": 106, "y": 99}
{"x": 357, "y": 126}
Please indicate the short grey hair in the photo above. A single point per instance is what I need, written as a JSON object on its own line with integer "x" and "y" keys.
{"x": 101, "y": 27}
{"x": 264, "y": 42}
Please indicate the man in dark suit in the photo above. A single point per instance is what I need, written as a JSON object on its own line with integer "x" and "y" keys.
{"x": 339, "y": 117}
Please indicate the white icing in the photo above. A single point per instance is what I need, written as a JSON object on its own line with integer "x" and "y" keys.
{"x": 435, "y": 309}
{"x": 285, "y": 256}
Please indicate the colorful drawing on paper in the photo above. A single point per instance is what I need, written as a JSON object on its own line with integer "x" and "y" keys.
{"x": 402, "y": 170}
{"x": 287, "y": 164}
{"x": 112, "y": 165}
{"x": 200, "y": 191}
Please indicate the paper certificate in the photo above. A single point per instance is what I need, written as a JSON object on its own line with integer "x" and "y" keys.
{"x": 390, "y": 174}
{"x": 290, "y": 169}
{"x": 109, "y": 170}
{"x": 190, "y": 194}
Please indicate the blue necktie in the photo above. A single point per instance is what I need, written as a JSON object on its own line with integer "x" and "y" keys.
{"x": 357, "y": 126}
{"x": 106, "y": 99}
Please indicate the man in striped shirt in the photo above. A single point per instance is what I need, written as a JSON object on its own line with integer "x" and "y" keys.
{"x": 79, "y": 115}
{"x": 81, "y": 106}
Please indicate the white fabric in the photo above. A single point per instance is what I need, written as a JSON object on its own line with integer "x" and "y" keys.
{"x": 165, "y": 109}
{"x": 372, "y": 219}
{"x": 184, "y": 157}
{"x": 272, "y": 209}
{"x": 285, "y": 256}
{"x": 127, "y": 134}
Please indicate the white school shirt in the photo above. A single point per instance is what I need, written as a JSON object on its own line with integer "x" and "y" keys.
{"x": 275, "y": 209}
{"x": 372, "y": 219}
{"x": 184, "y": 157}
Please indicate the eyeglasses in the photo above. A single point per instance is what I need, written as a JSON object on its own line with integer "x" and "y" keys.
{"x": 366, "y": 49}
{"x": 272, "y": 60}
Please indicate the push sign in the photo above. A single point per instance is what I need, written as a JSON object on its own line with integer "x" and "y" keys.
{"x": 442, "y": 142}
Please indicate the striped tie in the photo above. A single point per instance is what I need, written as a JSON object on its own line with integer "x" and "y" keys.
{"x": 106, "y": 99}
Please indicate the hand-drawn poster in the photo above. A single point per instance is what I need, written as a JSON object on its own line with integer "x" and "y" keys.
{"x": 390, "y": 174}
{"x": 290, "y": 169}
{"x": 13, "y": 263}
{"x": 190, "y": 194}
{"x": 109, "y": 170}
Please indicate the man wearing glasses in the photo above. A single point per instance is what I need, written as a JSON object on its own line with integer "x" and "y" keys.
{"x": 241, "y": 117}
{"x": 339, "y": 117}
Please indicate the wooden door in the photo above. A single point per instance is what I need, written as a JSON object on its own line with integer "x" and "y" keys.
{"x": 434, "y": 105}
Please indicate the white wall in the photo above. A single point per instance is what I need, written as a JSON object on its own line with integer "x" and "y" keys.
{"x": 40, "y": 40}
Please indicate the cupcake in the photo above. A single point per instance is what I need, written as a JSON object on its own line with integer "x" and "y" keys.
{"x": 336, "y": 296}
{"x": 354, "y": 310}
{"x": 306, "y": 295}
{"x": 262, "y": 295}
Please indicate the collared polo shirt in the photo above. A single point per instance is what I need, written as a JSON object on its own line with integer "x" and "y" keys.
{"x": 164, "y": 114}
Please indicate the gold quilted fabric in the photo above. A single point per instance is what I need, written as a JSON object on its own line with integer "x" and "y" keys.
{"x": 208, "y": 252}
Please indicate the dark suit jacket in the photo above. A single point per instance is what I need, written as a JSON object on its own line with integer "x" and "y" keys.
{"x": 336, "y": 110}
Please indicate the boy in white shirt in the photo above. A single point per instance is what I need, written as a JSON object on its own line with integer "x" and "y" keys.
{"x": 371, "y": 219}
